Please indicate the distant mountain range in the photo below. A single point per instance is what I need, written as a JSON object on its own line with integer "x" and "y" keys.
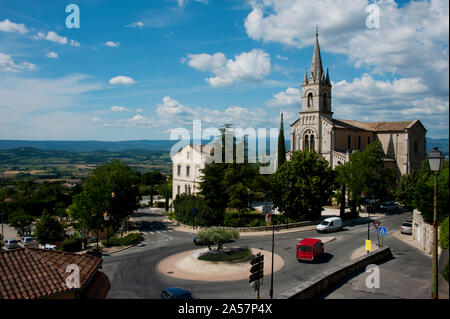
{"x": 147, "y": 145}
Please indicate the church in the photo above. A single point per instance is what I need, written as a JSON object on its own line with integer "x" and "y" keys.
{"x": 403, "y": 143}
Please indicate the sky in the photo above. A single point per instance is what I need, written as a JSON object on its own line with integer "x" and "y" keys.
{"x": 137, "y": 70}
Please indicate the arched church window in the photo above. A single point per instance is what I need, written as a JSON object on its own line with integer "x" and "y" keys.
{"x": 306, "y": 142}
{"x": 312, "y": 142}
{"x": 310, "y": 100}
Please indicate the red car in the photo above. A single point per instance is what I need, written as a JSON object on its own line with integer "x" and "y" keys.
{"x": 309, "y": 249}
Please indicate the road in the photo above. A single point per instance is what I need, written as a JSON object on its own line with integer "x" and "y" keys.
{"x": 133, "y": 272}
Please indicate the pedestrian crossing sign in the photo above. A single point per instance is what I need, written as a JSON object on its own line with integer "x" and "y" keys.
{"x": 382, "y": 231}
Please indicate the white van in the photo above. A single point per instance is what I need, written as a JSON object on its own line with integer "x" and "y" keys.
{"x": 329, "y": 224}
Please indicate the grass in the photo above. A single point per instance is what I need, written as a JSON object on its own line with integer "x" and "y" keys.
{"x": 232, "y": 254}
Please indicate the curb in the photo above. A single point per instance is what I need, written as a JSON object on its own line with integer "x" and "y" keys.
{"x": 116, "y": 251}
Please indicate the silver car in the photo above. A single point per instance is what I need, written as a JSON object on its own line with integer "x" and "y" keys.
{"x": 28, "y": 241}
{"x": 406, "y": 227}
{"x": 12, "y": 243}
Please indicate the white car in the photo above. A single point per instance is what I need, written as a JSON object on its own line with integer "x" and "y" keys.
{"x": 28, "y": 241}
{"x": 329, "y": 224}
{"x": 12, "y": 243}
{"x": 49, "y": 247}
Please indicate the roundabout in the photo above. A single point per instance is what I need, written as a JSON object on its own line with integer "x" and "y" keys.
{"x": 185, "y": 265}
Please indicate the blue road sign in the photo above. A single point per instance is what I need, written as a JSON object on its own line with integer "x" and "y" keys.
{"x": 382, "y": 231}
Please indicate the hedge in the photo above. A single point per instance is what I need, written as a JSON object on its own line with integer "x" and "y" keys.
{"x": 128, "y": 240}
{"x": 71, "y": 245}
{"x": 231, "y": 255}
{"x": 443, "y": 236}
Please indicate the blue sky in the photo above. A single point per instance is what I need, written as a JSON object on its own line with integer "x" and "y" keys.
{"x": 138, "y": 69}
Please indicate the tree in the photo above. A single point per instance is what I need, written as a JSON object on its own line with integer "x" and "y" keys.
{"x": 206, "y": 216}
{"x": 405, "y": 191}
{"x": 112, "y": 188}
{"x": 152, "y": 180}
{"x": 48, "y": 229}
{"x": 365, "y": 172}
{"x": 281, "y": 146}
{"x": 166, "y": 191}
{"x": 217, "y": 236}
{"x": 302, "y": 186}
{"x": 20, "y": 220}
{"x": 424, "y": 192}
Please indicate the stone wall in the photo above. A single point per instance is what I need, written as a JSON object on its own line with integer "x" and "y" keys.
{"x": 423, "y": 232}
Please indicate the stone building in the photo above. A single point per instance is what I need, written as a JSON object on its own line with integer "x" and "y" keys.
{"x": 334, "y": 139}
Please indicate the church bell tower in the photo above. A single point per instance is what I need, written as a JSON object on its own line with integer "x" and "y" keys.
{"x": 316, "y": 87}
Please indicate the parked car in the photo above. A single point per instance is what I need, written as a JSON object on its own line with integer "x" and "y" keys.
{"x": 49, "y": 247}
{"x": 28, "y": 241}
{"x": 388, "y": 206}
{"x": 12, "y": 243}
{"x": 309, "y": 249}
{"x": 329, "y": 224}
{"x": 406, "y": 227}
{"x": 176, "y": 293}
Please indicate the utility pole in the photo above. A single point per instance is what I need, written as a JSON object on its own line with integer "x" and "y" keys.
{"x": 271, "y": 277}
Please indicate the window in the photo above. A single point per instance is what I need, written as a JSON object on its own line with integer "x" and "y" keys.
{"x": 310, "y": 100}
{"x": 309, "y": 140}
{"x": 187, "y": 155}
{"x": 178, "y": 190}
{"x": 179, "y": 170}
{"x": 325, "y": 102}
{"x": 305, "y": 248}
{"x": 188, "y": 169}
{"x": 368, "y": 140}
{"x": 312, "y": 142}
{"x": 359, "y": 141}
{"x": 349, "y": 142}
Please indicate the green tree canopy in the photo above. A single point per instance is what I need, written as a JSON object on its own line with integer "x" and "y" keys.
{"x": 112, "y": 188}
{"x": 20, "y": 219}
{"x": 48, "y": 229}
{"x": 302, "y": 186}
{"x": 217, "y": 236}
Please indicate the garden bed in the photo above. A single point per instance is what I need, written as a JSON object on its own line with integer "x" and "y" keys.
{"x": 227, "y": 254}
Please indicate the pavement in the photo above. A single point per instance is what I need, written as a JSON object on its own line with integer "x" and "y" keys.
{"x": 394, "y": 284}
{"x": 185, "y": 265}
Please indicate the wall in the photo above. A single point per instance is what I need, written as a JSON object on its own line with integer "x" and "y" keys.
{"x": 423, "y": 232}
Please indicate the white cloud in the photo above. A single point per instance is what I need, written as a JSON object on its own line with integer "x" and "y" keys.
{"x": 75, "y": 43}
{"x": 7, "y": 64}
{"x": 290, "y": 97}
{"x": 51, "y": 36}
{"x": 52, "y": 55}
{"x": 279, "y": 57}
{"x": 136, "y": 25}
{"x": 116, "y": 108}
{"x": 122, "y": 80}
{"x": 412, "y": 40}
{"x": 139, "y": 111}
{"x": 182, "y": 3}
{"x": 111, "y": 44}
{"x": 96, "y": 119}
{"x": 8, "y": 26}
{"x": 248, "y": 66}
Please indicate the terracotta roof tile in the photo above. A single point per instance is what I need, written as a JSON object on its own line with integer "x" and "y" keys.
{"x": 36, "y": 273}
{"x": 373, "y": 126}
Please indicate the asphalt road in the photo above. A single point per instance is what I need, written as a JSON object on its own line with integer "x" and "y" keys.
{"x": 133, "y": 272}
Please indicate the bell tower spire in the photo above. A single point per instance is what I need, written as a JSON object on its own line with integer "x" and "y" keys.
{"x": 316, "y": 89}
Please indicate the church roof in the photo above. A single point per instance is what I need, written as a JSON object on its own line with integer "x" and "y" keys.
{"x": 374, "y": 126}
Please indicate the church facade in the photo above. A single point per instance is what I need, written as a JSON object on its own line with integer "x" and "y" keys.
{"x": 403, "y": 143}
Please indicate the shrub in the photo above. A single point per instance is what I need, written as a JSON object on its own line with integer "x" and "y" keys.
{"x": 443, "y": 236}
{"x": 231, "y": 255}
{"x": 128, "y": 240}
{"x": 71, "y": 245}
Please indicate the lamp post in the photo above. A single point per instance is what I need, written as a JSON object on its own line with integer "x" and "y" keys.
{"x": 435, "y": 160}
{"x": 106, "y": 217}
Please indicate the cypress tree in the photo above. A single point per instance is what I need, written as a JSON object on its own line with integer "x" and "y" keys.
{"x": 281, "y": 156}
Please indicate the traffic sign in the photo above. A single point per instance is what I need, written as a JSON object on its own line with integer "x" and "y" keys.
{"x": 257, "y": 259}
{"x": 194, "y": 212}
{"x": 382, "y": 231}
{"x": 377, "y": 224}
{"x": 256, "y": 276}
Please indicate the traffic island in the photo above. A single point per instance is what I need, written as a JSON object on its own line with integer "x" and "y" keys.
{"x": 187, "y": 266}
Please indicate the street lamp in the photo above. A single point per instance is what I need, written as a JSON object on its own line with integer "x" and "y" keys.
{"x": 106, "y": 217}
{"x": 435, "y": 160}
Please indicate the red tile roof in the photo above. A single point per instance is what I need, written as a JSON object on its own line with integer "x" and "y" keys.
{"x": 30, "y": 273}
